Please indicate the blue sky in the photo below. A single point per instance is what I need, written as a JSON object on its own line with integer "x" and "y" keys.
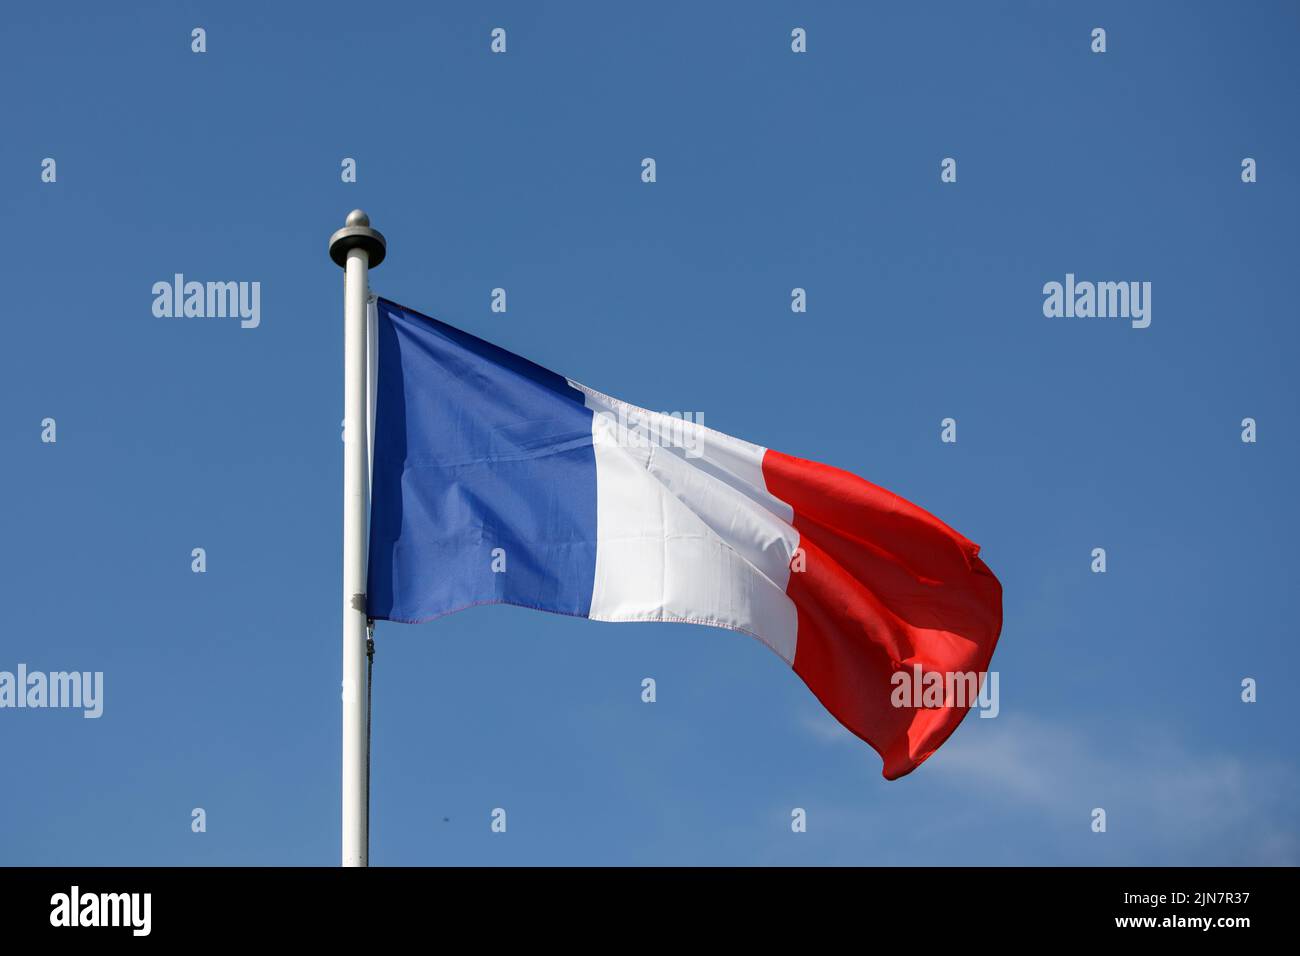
{"x": 775, "y": 170}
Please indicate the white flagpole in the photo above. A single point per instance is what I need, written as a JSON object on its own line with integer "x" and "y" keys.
{"x": 356, "y": 247}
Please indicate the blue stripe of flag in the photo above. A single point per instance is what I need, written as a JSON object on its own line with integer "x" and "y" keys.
{"x": 475, "y": 448}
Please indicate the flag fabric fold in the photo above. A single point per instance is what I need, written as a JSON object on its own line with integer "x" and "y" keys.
{"x": 496, "y": 481}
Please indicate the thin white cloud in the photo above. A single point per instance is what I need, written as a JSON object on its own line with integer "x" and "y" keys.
{"x": 1161, "y": 796}
{"x": 1167, "y": 801}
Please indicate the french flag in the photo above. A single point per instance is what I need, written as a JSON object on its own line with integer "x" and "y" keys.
{"x": 496, "y": 481}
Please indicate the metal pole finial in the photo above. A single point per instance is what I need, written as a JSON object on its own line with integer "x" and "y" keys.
{"x": 357, "y": 234}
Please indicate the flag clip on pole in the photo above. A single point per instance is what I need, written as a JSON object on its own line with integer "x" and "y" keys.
{"x": 356, "y": 248}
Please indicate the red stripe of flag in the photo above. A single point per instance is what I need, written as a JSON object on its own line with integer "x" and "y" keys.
{"x": 886, "y": 586}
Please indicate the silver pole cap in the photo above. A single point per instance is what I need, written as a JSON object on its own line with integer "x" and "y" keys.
{"x": 357, "y": 234}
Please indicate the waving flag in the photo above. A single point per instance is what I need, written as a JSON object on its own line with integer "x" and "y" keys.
{"x": 496, "y": 481}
